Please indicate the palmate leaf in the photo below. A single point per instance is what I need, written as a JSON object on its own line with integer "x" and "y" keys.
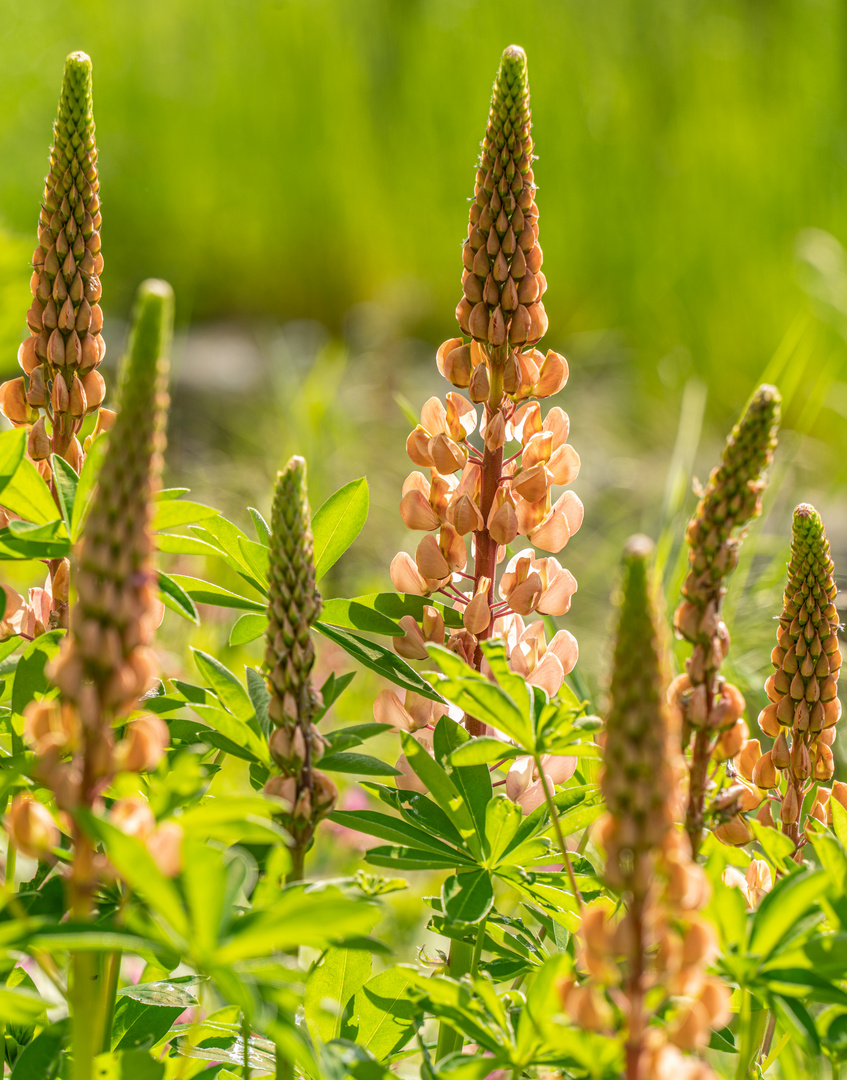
{"x": 177, "y": 599}
{"x": 473, "y": 782}
{"x": 442, "y": 789}
{"x": 206, "y": 592}
{"x": 358, "y": 765}
{"x": 478, "y": 696}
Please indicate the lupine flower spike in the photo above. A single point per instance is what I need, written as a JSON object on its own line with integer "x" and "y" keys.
{"x": 61, "y": 383}
{"x": 294, "y": 605}
{"x": 106, "y": 663}
{"x": 467, "y": 488}
{"x": 61, "y": 356}
{"x": 803, "y": 690}
{"x": 712, "y": 709}
{"x": 660, "y": 942}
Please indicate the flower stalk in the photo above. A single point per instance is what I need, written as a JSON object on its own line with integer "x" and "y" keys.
{"x": 710, "y": 706}
{"x": 659, "y": 941}
{"x": 294, "y": 605}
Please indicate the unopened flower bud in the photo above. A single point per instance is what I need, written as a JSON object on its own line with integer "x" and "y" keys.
{"x": 31, "y": 827}
{"x": 38, "y": 443}
{"x": 143, "y": 745}
{"x": 133, "y": 816}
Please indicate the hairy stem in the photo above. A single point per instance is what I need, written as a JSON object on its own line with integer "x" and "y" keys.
{"x": 697, "y": 790}
{"x": 554, "y": 814}
{"x": 635, "y": 994}
{"x": 110, "y": 990}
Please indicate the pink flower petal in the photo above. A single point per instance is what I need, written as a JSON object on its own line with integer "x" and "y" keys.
{"x": 566, "y": 649}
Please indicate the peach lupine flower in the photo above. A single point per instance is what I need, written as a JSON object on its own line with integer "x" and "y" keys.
{"x": 755, "y": 884}
{"x": 487, "y": 461}
{"x": 523, "y": 782}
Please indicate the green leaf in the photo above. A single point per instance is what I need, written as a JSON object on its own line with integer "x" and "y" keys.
{"x": 407, "y": 858}
{"x": 783, "y": 907}
{"x": 502, "y": 819}
{"x": 176, "y": 512}
{"x": 839, "y": 820}
{"x": 12, "y": 450}
{"x": 128, "y": 1065}
{"x": 248, "y": 627}
{"x": 337, "y": 523}
{"x": 205, "y": 592}
{"x": 379, "y": 659}
{"x": 166, "y": 494}
{"x": 478, "y": 696}
{"x": 173, "y": 991}
{"x": 778, "y": 847}
{"x": 384, "y": 1017}
{"x": 26, "y": 540}
{"x": 395, "y": 830}
{"x": 257, "y": 558}
{"x": 177, "y": 599}
{"x": 263, "y": 530}
{"x": 468, "y": 896}
{"x": 65, "y": 481}
{"x": 225, "y": 685}
{"x": 443, "y": 790}
{"x": 484, "y": 749}
{"x": 250, "y": 745}
{"x": 356, "y": 616}
{"x": 330, "y": 986}
{"x": 29, "y": 496}
{"x": 20, "y": 1006}
{"x": 395, "y": 606}
{"x": 174, "y": 544}
{"x": 473, "y": 782}
{"x": 87, "y": 484}
{"x": 260, "y": 698}
{"x": 796, "y": 1019}
{"x": 40, "y": 1059}
{"x": 139, "y": 1026}
{"x": 358, "y": 764}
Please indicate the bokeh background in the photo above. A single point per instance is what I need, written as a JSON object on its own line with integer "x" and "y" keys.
{"x": 300, "y": 171}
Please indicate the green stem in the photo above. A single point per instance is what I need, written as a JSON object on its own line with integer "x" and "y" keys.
{"x": 751, "y": 1028}
{"x": 110, "y": 993}
{"x": 284, "y": 1068}
{"x": 554, "y": 814}
{"x": 11, "y": 861}
{"x": 85, "y": 972}
{"x": 777, "y": 1050}
{"x": 245, "y": 1047}
{"x": 477, "y": 949}
{"x": 460, "y": 963}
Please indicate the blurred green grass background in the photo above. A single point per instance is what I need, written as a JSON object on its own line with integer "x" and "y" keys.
{"x": 300, "y": 171}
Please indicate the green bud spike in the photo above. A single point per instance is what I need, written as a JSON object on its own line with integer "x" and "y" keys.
{"x": 640, "y": 776}
{"x": 502, "y": 282}
{"x": 107, "y": 665}
{"x": 293, "y": 601}
{"x": 733, "y": 496}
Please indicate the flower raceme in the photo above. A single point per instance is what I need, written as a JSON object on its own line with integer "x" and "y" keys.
{"x": 61, "y": 357}
{"x": 488, "y": 461}
{"x": 804, "y": 707}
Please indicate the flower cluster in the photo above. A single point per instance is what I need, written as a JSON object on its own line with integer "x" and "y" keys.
{"x": 466, "y": 486}
{"x": 803, "y": 690}
{"x": 653, "y": 956}
{"x": 106, "y": 664}
{"x": 293, "y": 607}
{"x": 61, "y": 356}
{"x": 711, "y": 707}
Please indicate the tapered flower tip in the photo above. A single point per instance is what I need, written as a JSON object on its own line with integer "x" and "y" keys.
{"x": 807, "y": 521}
{"x": 513, "y": 63}
{"x": 151, "y": 331}
{"x": 75, "y": 101}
